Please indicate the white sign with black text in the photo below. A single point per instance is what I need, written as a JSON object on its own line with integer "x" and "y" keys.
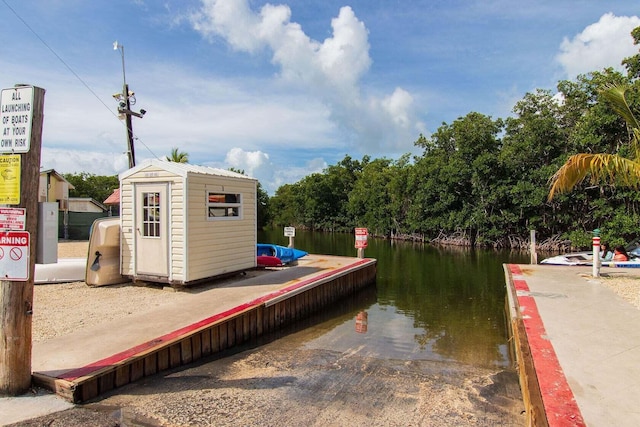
{"x": 16, "y": 115}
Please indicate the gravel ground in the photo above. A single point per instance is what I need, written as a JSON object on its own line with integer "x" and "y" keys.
{"x": 61, "y": 308}
{"x": 626, "y": 287}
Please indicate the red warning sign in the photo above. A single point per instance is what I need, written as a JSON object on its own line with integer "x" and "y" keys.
{"x": 14, "y": 255}
{"x": 361, "y": 237}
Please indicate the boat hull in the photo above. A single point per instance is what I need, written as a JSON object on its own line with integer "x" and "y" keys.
{"x": 63, "y": 271}
{"x": 586, "y": 259}
{"x": 268, "y": 261}
{"x": 103, "y": 261}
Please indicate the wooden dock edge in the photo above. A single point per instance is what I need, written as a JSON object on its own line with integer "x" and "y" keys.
{"x": 207, "y": 339}
{"x": 531, "y": 394}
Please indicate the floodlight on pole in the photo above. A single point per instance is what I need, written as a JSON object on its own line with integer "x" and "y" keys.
{"x": 124, "y": 107}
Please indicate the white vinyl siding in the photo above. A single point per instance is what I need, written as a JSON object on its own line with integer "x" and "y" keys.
{"x": 199, "y": 247}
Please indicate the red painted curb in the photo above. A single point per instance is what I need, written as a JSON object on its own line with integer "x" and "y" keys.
{"x": 133, "y": 351}
{"x": 559, "y": 402}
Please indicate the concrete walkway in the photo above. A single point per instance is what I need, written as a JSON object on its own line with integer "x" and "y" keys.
{"x": 585, "y": 343}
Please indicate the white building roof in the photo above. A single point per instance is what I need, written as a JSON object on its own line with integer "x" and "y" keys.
{"x": 183, "y": 169}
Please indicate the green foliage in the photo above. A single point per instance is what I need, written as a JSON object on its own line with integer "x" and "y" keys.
{"x": 263, "y": 207}
{"x": 484, "y": 178}
{"x": 580, "y": 239}
{"x": 487, "y": 179}
{"x": 632, "y": 63}
{"x": 93, "y": 186}
{"x": 178, "y": 156}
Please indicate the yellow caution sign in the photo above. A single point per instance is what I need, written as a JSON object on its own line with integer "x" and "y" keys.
{"x": 10, "y": 179}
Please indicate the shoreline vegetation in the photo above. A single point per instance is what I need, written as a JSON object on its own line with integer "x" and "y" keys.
{"x": 552, "y": 244}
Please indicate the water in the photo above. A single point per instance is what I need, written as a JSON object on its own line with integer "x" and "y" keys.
{"x": 428, "y": 304}
{"x": 427, "y": 345}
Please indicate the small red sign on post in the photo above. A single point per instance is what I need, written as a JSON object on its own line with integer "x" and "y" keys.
{"x": 13, "y": 218}
{"x": 361, "y": 238}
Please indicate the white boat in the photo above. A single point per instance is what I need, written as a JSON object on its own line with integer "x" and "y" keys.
{"x": 101, "y": 267}
{"x": 65, "y": 270}
{"x": 575, "y": 258}
{"x": 586, "y": 258}
{"x": 103, "y": 263}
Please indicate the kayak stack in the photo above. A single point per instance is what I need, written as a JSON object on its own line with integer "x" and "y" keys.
{"x": 270, "y": 255}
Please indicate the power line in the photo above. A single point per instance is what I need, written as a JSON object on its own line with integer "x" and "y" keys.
{"x": 73, "y": 72}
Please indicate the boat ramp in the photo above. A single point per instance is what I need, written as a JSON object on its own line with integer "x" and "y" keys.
{"x": 577, "y": 344}
{"x": 91, "y": 361}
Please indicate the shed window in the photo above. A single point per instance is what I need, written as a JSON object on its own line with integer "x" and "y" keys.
{"x": 224, "y": 205}
{"x": 151, "y": 214}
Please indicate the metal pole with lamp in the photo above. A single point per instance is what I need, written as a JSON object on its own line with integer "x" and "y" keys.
{"x": 124, "y": 108}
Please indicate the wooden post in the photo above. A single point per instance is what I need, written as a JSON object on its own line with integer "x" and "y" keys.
{"x": 361, "y": 240}
{"x": 16, "y": 298}
{"x": 534, "y": 254}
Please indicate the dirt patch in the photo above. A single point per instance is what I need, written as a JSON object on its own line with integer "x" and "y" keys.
{"x": 73, "y": 249}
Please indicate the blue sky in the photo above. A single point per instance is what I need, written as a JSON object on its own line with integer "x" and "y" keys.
{"x": 284, "y": 89}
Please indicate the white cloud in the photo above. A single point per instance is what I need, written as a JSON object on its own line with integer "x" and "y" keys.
{"x": 249, "y": 161}
{"x": 295, "y": 173}
{"x": 603, "y": 44}
{"x": 201, "y": 116}
{"x": 79, "y": 160}
{"x": 257, "y": 164}
{"x": 316, "y": 95}
{"x": 330, "y": 70}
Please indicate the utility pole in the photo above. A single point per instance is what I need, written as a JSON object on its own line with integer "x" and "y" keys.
{"x": 16, "y": 296}
{"x": 124, "y": 108}
{"x": 130, "y": 150}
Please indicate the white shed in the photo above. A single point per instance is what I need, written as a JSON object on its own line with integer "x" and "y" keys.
{"x": 85, "y": 204}
{"x": 182, "y": 223}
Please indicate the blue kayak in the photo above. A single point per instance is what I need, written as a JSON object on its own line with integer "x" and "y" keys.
{"x": 284, "y": 254}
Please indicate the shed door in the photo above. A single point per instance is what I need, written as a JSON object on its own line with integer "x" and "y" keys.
{"x": 152, "y": 219}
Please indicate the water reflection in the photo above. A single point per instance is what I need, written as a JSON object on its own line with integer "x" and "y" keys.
{"x": 362, "y": 322}
{"x": 432, "y": 303}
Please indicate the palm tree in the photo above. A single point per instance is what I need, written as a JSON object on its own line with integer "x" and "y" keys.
{"x": 604, "y": 167}
{"x": 178, "y": 157}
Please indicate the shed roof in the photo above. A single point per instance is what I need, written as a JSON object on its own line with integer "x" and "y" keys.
{"x": 114, "y": 198}
{"x": 183, "y": 169}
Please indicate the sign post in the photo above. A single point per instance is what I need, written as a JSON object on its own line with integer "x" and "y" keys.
{"x": 595, "y": 270}
{"x": 21, "y": 120}
{"x": 361, "y": 241}
{"x": 290, "y": 232}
